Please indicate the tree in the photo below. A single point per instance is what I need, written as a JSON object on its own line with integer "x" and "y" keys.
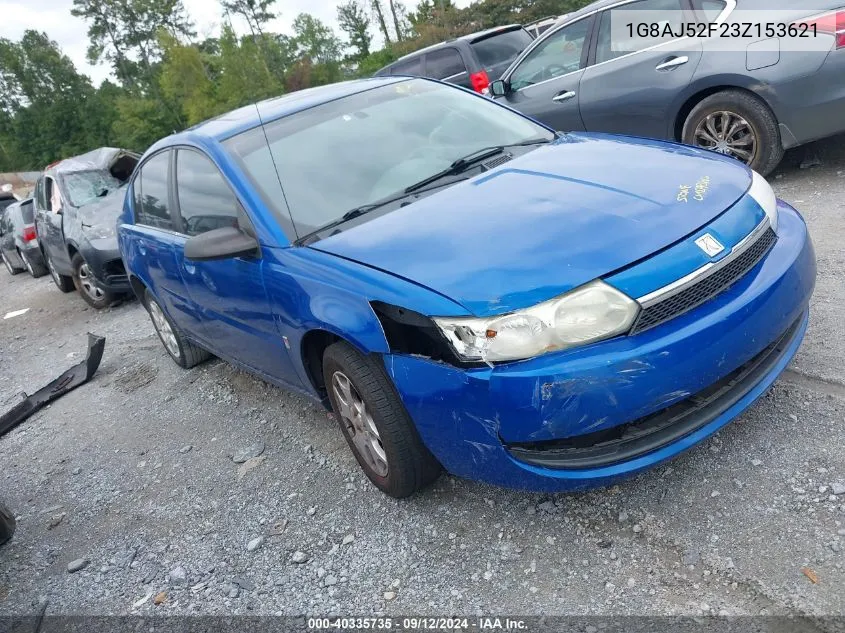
{"x": 397, "y": 10}
{"x": 124, "y": 33}
{"x": 353, "y": 19}
{"x": 315, "y": 40}
{"x": 376, "y": 7}
{"x": 257, "y": 13}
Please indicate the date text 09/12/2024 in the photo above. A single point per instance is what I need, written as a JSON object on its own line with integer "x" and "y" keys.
{"x": 417, "y": 624}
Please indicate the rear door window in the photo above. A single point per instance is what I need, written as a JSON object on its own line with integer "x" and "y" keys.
{"x": 445, "y": 63}
{"x": 411, "y": 66}
{"x": 502, "y": 48}
{"x": 205, "y": 200}
{"x": 151, "y": 202}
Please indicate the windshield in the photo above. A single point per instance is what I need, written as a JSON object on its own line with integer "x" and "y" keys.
{"x": 82, "y": 187}
{"x": 370, "y": 145}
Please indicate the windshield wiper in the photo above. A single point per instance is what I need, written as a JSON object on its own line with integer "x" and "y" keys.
{"x": 463, "y": 163}
{"x": 357, "y": 212}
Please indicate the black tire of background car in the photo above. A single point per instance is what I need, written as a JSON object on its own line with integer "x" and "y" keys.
{"x": 411, "y": 466}
{"x": 107, "y": 297}
{"x": 7, "y": 524}
{"x": 36, "y": 269}
{"x": 63, "y": 282}
{"x": 12, "y": 270}
{"x": 756, "y": 112}
{"x": 190, "y": 355}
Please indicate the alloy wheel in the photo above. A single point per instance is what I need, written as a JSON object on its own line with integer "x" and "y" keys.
{"x": 727, "y": 133}
{"x": 165, "y": 332}
{"x": 89, "y": 284}
{"x": 359, "y": 423}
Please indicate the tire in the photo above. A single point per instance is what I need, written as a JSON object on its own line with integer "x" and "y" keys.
{"x": 88, "y": 286}
{"x": 63, "y": 282}
{"x": 36, "y": 269}
{"x": 181, "y": 350}
{"x": 12, "y": 270}
{"x": 403, "y": 465}
{"x": 7, "y": 524}
{"x": 748, "y": 110}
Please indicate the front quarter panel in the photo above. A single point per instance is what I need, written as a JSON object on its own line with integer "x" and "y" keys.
{"x": 311, "y": 290}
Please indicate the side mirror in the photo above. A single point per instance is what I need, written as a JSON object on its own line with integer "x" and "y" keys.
{"x": 499, "y": 88}
{"x": 224, "y": 243}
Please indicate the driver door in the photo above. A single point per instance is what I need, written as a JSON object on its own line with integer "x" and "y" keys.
{"x": 545, "y": 84}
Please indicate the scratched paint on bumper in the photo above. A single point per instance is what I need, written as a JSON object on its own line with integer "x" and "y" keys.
{"x": 464, "y": 416}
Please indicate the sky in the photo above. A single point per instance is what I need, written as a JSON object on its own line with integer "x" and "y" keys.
{"x": 53, "y": 16}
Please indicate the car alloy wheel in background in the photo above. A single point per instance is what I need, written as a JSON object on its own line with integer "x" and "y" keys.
{"x": 88, "y": 286}
{"x": 727, "y": 133}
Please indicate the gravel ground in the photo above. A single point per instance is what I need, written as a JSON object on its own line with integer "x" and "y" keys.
{"x": 132, "y": 478}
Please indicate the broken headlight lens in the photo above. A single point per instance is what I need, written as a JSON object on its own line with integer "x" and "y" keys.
{"x": 764, "y": 195}
{"x": 593, "y": 312}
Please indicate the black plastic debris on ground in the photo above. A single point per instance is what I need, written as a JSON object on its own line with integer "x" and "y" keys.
{"x": 68, "y": 381}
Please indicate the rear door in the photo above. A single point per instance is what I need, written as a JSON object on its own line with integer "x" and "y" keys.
{"x": 545, "y": 83}
{"x": 152, "y": 242}
{"x": 229, "y": 294}
{"x": 632, "y": 84}
{"x": 447, "y": 64}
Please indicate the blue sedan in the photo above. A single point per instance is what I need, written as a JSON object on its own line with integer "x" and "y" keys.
{"x": 467, "y": 289}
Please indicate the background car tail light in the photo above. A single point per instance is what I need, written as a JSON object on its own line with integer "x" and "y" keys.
{"x": 29, "y": 233}
{"x": 479, "y": 81}
{"x": 832, "y": 23}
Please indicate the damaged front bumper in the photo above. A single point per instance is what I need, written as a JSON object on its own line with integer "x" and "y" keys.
{"x": 590, "y": 416}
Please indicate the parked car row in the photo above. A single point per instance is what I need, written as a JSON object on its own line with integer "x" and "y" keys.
{"x": 19, "y": 247}
{"x": 751, "y": 101}
{"x": 68, "y": 227}
{"x": 466, "y": 288}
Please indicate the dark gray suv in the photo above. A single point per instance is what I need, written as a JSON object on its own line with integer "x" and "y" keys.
{"x": 750, "y": 98}
{"x": 472, "y": 61}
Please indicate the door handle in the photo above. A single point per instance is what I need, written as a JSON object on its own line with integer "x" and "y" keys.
{"x": 563, "y": 96}
{"x": 672, "y": 62}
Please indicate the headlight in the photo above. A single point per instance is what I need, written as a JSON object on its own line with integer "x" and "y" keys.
{"x": 762, "y": 192}
{"x": 593, "y": 312}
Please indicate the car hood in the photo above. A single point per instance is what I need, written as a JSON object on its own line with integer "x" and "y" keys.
{"x": 99, "y": 218}
{"x": 548, "y": 221}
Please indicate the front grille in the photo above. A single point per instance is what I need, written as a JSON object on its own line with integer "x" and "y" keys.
{"x": 705, "y": 289}
{"x": 114, "y": 268}
{"x": 652, "y": 432}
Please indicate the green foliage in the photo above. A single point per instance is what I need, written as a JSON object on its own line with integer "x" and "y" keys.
{"x": 354, "y": 21}
{"x": 166, "y": 81}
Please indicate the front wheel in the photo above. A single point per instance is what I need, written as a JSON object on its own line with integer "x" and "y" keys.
{"x": 89, "y": 288}
{"x": 181, "y": 350}
{"x": 375, "y": 423}
{"x": 739, "y": 125}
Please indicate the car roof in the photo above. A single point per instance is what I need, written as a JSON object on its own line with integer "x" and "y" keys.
{"x": 247, "y": 117}
{"x": 469, "y": 37}
{"x": 594, "y": 6}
